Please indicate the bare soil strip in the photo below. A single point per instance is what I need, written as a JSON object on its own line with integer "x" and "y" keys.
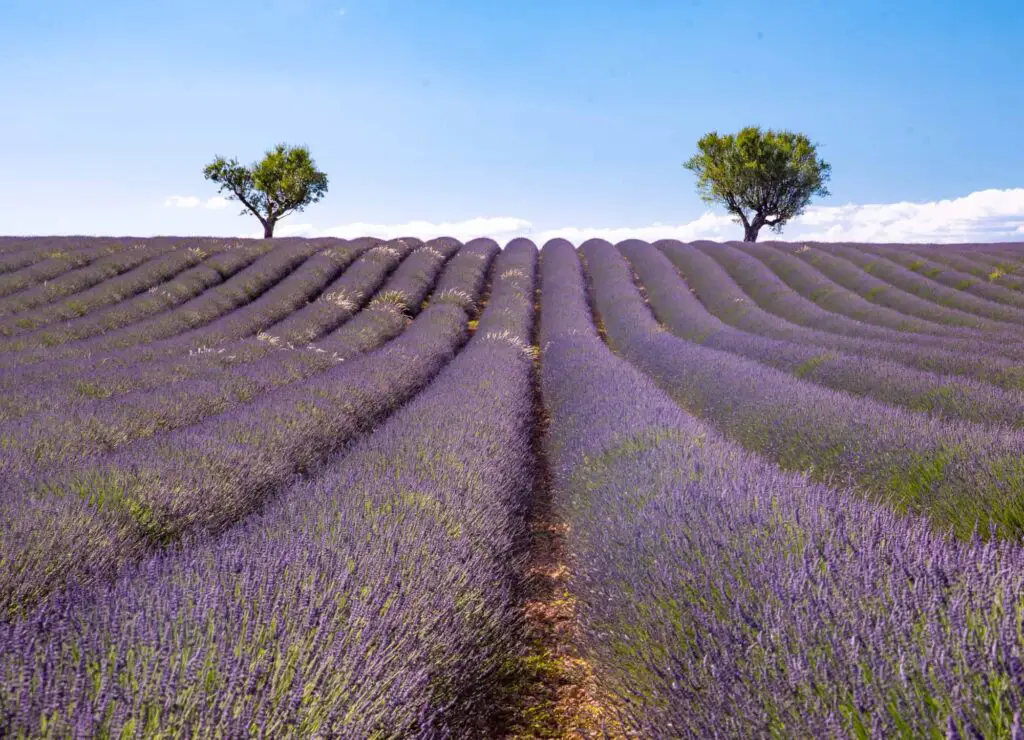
{"x": 551, "y": 690}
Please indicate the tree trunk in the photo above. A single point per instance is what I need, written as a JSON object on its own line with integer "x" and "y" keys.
{"x": 750, "y": 232}
{"x": 268, "y": 229}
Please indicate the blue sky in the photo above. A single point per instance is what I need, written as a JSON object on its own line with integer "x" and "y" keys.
{"x": 537, "y": 117}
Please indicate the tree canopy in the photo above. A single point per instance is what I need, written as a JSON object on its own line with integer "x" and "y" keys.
{"x": 764, "y": 178}
{"x": 285, "y": 181}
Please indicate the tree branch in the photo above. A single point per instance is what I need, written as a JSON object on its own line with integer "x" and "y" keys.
{"x": 247, "y": 204}
{"x": 733, "y": 206}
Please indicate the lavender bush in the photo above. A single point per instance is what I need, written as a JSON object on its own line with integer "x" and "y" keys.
{"x": 57, "y": 262}
{"x": 943, "y": 271}
{"x": 947, "y": 298}
{"x": 961, "y": 476}
{"x": 101, "y": 513}
{"x": 163, "y": 297}
{"x": 773, "y": 293}
{"x": 721, "y": 597}
{"x": 147, "y": 275}
{"x": 373, "y": 601}
{"x": 267, "y": 289}
{"x": 727, "y": 300}
{"x": 82, "y": 279}
{"x": 969, "y": 262}
{"x": 67, "y": 428}
{"x": 890, "y": 382}
{"x": 877, "y": 283}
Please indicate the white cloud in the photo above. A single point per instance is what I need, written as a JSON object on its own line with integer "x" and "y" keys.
{"x": 708, "y": 226}
{"x": 215, "y": 203}
{"x": 497, "y": 228}
{"x": 986, "y": 215}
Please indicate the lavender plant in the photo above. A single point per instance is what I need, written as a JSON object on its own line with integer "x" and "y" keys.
{"x": 935, "y": 267}
{"x": 373, "y": 601}
{"x": 963, "y": 477}
{"x": 950, "y": 397}
{"x": 82, "y": 279}
{"x": 942, "y": 296}
{"x": 720, "y": 597}
{"x": 100, "y": 514}
{"x": 160, "y": 298}
{"x": 20, "y": 253}
{"x": 807, "y": 282}
{"x": 969, "y": 262}
{"x": 147, "y": 275}
{"x": 898, "y": 288}
{"x": 773, "y": 293}
{"x": 726, "y": 300}
{"x": 116, "y": 378}
{"x": 57, "y": 262}
{"x": 267, "y": 289}
{"x": 169, "y": 396}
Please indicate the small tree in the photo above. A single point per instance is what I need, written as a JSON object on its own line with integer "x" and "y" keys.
{"x": 284, "y": 182}
{"x": 764, "y": 178}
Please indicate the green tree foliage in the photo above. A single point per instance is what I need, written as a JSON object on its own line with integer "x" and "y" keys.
{"x": 285, "y": 181}
{"x": 764, "y": 178}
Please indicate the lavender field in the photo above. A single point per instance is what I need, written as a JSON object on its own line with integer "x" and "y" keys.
{"x": 388, "y": 489}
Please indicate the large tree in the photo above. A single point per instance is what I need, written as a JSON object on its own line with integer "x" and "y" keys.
{"x": 764, "y": 178}
{"x": 285, "y": 181}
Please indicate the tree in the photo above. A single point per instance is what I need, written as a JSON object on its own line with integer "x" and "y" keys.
{"x": 764, "y": 178}
{"x": 284, "y": 182}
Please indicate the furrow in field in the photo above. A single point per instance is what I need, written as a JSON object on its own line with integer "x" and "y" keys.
{"x": 719, "y": 596}
{"x": 203, "y": 478}
{"x": 158, "y": 299}
{"x": 970, "y": 264}
{"x": 68, "y": 431}
{"x": 963, "y": 477}
{"x": 811, "y": 284}
{"x": 940, "y": 271}
{"x": 872, "y": 286}
{"x": 795, "y": 301}
{"x": 23, "y": 253}
{"x": 123, "y": 287}
{"x": 377, "y": 600}
{"x": 948, "y": 305}
{"x": 257, "y": 296}
{"x": 59, "y": 262}
{"x": 113, "y": 380}
{"x": 889, "y": 382}
{"x": 772, "y": 294}
{"x": 80, "y": 280}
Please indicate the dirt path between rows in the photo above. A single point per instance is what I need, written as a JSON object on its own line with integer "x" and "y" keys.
{"x": 553, "y": 692}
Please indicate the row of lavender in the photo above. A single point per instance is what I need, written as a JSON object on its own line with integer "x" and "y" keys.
{"x": 147, "y": 380}
{"x": 848, "y": 302}
{"x": 735, "y": 296}
{"x": 376, "y": 599}
{"x": 157, "y": 507}
{"x": 721, "y": 597}
{"x": 889, "y": 381}
{"x": 962, "y": 476}
{"x": 200, "y": 454}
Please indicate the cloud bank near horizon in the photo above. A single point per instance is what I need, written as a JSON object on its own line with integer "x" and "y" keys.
{"x": 982, "y": 216}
